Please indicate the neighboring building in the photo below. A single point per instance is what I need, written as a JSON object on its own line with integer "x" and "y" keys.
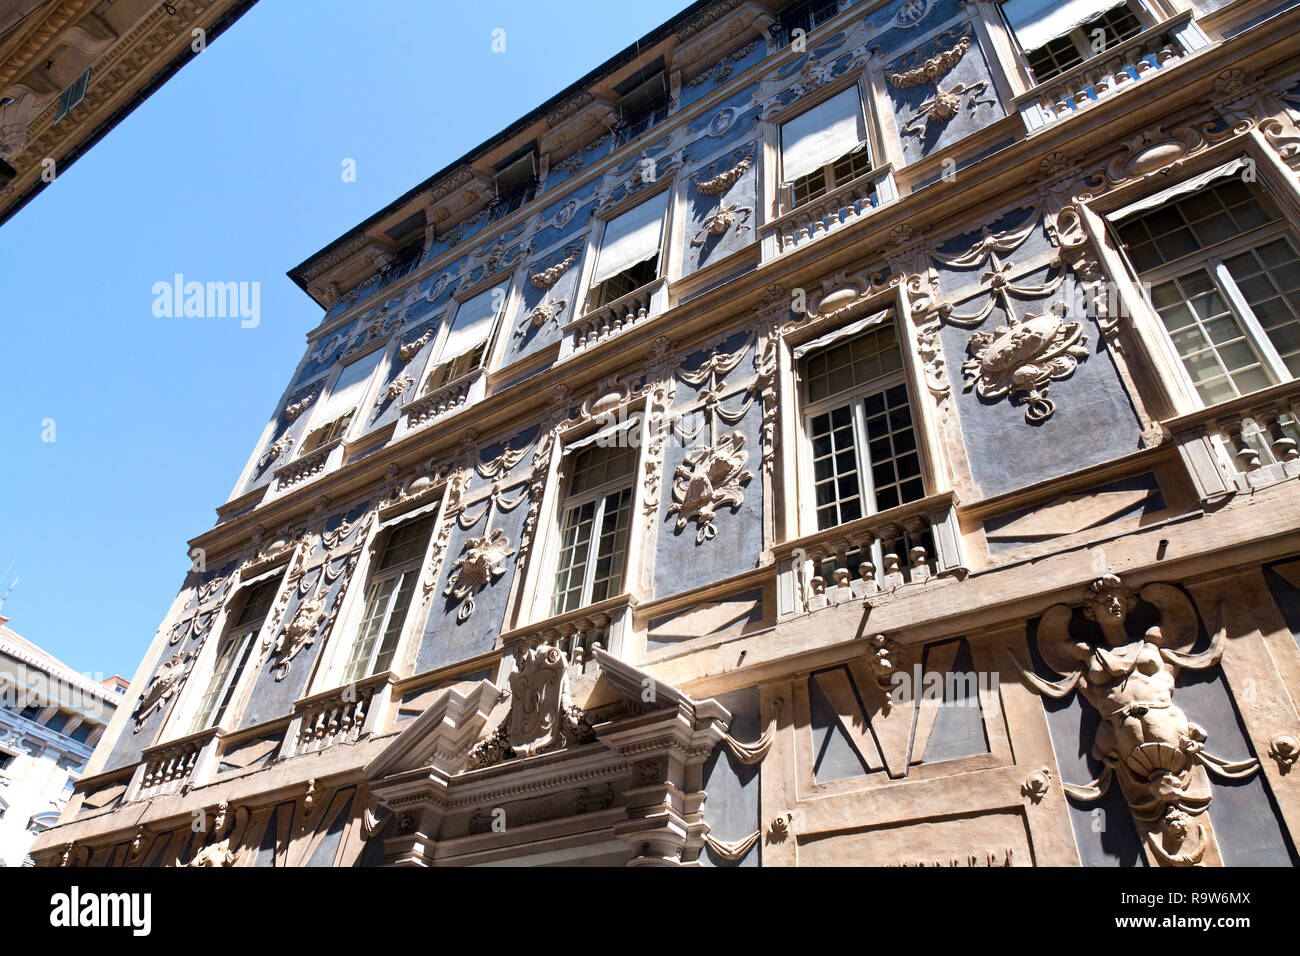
{"x": 71, "y": 70}
{"x": 51, "y": 717}
{"x": 856, "y": 434}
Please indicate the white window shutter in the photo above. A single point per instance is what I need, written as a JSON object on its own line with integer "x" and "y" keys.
{"x": 631, "y": 238}
{"x": 473, "y": 321}
{"x": 1037, "y": 22}
{"x": 823, "y": 134}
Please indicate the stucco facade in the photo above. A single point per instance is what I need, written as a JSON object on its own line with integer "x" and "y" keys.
{"x": 821, "y": 435}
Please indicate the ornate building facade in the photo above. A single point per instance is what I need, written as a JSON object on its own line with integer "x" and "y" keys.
{"x": 827, "y": 433}
{"x": 71, "y": 70}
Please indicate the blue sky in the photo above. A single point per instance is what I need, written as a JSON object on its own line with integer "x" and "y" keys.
{"x": 230, "y": 172}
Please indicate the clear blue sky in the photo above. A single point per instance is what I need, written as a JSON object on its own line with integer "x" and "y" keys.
{"x": 230, "y": 172}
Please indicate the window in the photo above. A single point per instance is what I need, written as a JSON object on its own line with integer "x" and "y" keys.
{"x": 73, "y": 95}
{"x": 630, "y": 250}
{"x": 407, "y": 258}
{"x": 642, "y": 108}
{"x": 465, "y": 349}
{"x": 858, "y": 422}
{"x": 1057, "y": 36}
{"x": 235, "y": 649}
{"x": 6, "y": 760}
{"x": 1224, "y": 276}
{"x": 81, "y": 733}
{"x": 806, "y": 16}
{"x": 594, "y": 525}
{"x": 515, "y": 186}
{"x": 333, "y": 416}
{"x": 388, "y": 597}
{"x": 823, "y": 149}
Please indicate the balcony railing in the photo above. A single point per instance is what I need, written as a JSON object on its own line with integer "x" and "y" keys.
{"x": 876, "y": 555}
{"x": 579, "y": 634}
{"x": 1241, "y": 444}
{"x": 1123, "y": 64}
{"x": 842, "y": 205}
{"x": 341, "y": 715}
{"x": 617, "y": 316}
{"x": 440, "y": 401}
{"x": 307, "y": 466}
{"x": 176, "y": 764}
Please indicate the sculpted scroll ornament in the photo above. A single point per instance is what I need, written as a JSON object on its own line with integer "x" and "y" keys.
{"x": 1022, "y": 358}
{"x": 1144, "y": 741}
{"x": 707, "y": 479}
{"x": 482, "y": 563}
{"x": 166, "y": 681}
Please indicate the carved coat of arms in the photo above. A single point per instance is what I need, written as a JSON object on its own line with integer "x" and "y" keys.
{"x": 539, "y": 691}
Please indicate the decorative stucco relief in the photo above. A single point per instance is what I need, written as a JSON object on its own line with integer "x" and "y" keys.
{"x": 311, "y": 579}
{"x": 1145, "y": 741}
{"x": 482, "y": 563}
{"x": 708, "y": 478}
{"x": 163, "y": 686}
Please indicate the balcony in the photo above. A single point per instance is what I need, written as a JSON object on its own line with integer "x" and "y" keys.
{"x": 441, "y": 401}
{"x": 1125, "y": 63}
{"x": 903, "y": 547}
{"x": 176, "y": 765}
{"x": 1242, "y": 444}
{"x": 341, "y": 715}
{"x": 839, "y": 207}
{"x": 609, "y": 320}
{"x": 579, "y": 634}
{"x": 306, "y": 466}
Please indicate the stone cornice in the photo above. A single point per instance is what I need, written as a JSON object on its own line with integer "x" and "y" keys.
{"x": 131, "y": 64}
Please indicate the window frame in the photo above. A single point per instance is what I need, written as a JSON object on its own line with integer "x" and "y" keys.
{"x": 1210, "y": 259}
{"x": 1078, "y": 35}
{"x": 486, "y": 349}
{"x": 805, "y": 411}
{"x": 247, "y": 637}
{"x": 877, "y": 148}
{"x": 334, "y": 662}
{"x": 306, "y": 444}
{"x": 184, "y": 715}
{"x": 596, "y": 241}
{"x": 540, "y": 604}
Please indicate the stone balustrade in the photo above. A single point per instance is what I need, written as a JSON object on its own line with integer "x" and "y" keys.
{"x": 837, "y": 208}
{"x": 1123, "y": 64}
{"x": 876, "y": 555}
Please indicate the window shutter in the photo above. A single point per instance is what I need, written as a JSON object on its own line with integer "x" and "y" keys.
{"x": 844, "y": 332}
{"x": 1194, "y": 184}
{"x": 348, "y": 390}
{"x": 473, "y": 322}
{"x": 631, "y": 238}
{"x": 824, "y": 133}
{"x": 1037, "y": 22}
